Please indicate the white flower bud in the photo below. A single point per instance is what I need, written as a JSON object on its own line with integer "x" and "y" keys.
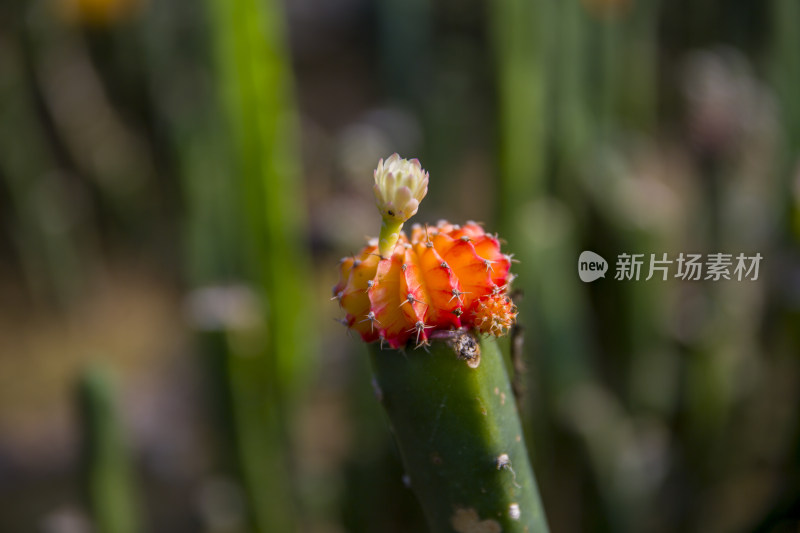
{"x": 400, "y": 185}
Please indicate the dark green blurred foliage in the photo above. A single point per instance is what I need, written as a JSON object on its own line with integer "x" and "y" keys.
{"x": 226, "y": 152}
{"x": 653, "y": 379}
{"x": 373, "y": 470}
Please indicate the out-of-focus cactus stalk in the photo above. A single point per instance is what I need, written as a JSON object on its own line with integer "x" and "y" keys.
{"x": 404, "y": 31}
{"x": 45, "y": 236}
{"x": 260, "y": 440}
{"x": 520, "y": 33}
{"x": 228, "y": 319}
{"x": 639, "y": 100}
{"x": 256, "y": 87}
{"x": 785, "y": 74}
{"x": 108, "y": 473}
{"x": 611, "y": 40}
{"x": 572, "y": 123}
{"x": 627, "y": 61}
{"x": 555, "y": 299}
{"x": 455, "y": 420}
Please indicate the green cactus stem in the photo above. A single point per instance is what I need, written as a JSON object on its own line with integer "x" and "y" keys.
{"x": 456, "y": 423}
{"x": 390, "y": 233}
{"x": 108, "y": 474}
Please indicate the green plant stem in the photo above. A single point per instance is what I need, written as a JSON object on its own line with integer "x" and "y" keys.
{"x": 256, "y": 86}
{"x": 255, "y": 82}
{"x": 390, "y": 232}
{"x": 520, "y": 35}
{"x": 108, "y": 473}
{"x": 785, "y": 77}
{"x": 460, "y": 436}
{"x": 260, "y": 441}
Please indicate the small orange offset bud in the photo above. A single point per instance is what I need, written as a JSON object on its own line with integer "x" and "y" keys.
{"x": 441, "y": 278}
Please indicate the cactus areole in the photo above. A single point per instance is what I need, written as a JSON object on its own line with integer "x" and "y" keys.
{"x": 444, "y": 277}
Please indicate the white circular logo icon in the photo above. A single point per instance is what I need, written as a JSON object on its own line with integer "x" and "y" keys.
{"x": 591, "y": 266}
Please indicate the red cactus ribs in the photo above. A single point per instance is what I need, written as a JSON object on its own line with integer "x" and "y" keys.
{"x": 445, "y": 277}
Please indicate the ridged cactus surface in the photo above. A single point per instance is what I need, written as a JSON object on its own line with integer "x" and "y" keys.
{"x": 443, "y": 277}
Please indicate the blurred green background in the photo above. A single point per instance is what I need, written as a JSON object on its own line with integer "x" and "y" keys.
{"x": 179, "y": 179}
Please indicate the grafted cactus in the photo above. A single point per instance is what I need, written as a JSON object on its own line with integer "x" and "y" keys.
{"x": 444, "y": 288}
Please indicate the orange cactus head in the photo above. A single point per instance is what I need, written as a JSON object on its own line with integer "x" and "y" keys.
{"x": 440, "y": 279}
{"x": 443, "y": 278}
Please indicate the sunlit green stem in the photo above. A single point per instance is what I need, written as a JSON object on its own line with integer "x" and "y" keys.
{"x": 390, "y": 232}
{"x": 255, "y": 82}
